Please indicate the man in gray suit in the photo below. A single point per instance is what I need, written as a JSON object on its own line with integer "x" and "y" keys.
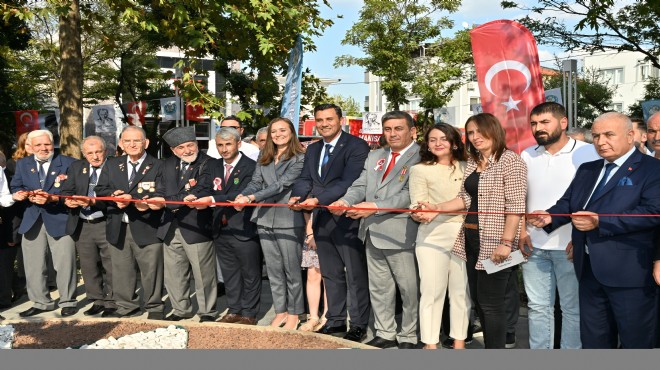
{"x": 389, "y": 237}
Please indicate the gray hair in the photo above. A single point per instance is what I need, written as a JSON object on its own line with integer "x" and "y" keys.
{"x": 615, "y": 116}
{"x": 93, "y": 137}
{"x": 37, "y": 133}
{"x": 653, "y": 117}
{"x": 263, "y": 130}
{"x": 588, "y": 138}
{"x": 134, "y": 128}
{"x": 228, "y": 133}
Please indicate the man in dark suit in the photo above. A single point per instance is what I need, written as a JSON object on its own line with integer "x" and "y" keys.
{"x": 87, "y": 225}
{"x": 186, "y": 232}
{"x": 38, "y": 179}
{"x": 132, "y": 227}
{"x": 235, "y": 236}
{"x": 613, "y": 255}
{"x": 331, "y": 166}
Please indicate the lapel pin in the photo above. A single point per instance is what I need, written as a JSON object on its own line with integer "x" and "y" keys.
{"x": 629, "y": 168}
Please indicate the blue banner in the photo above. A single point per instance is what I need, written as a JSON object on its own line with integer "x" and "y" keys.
{"x": 650, "y": 107}
{"x": 293, "y": 85}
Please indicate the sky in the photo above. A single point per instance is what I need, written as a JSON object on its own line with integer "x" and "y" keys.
{"x": 352, "y": 78}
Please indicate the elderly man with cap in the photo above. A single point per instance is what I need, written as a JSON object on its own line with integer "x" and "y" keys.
{"x": 186, "y": 232}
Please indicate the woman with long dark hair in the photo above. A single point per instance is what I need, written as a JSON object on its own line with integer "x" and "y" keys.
{"x": 436, "y": 179}
{"x": 493, "y": 191}
{"x": 280, "y": 229}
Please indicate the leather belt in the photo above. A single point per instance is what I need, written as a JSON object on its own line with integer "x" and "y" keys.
{"x": 93, "y": 221}
{"x": 471, "y": 226}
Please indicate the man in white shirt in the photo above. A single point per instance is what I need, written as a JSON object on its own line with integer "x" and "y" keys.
{"x": 251, "y": 151}
{"x": 551, "y": 166}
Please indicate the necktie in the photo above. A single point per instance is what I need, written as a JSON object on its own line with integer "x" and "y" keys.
{"x": 42, "y": 173}
{"x": 184, "y": 168}
{"x": 228, "y": 168}
{"x": 601, "y": 184}
{"x": 326, "y": 158}
{"x": 390, "y": 165}
{"x": 133, "y": 173}
{"x": 93, "y": 179}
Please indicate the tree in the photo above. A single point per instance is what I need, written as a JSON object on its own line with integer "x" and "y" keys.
{"x": 594, "y": 94}
{"x": 348, "y": 105}
{"x": 390, "y": 34}
{"x": 651, "y": 92}
{"x": 600, "y": 26}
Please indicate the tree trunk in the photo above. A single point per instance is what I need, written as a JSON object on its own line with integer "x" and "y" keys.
{"x": 70, "y": 89}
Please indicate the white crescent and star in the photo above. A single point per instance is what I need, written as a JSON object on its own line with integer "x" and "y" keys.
{"x": 503, "y": 66}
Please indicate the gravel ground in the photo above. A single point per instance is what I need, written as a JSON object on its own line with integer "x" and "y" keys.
{"x": 63, "y": 334}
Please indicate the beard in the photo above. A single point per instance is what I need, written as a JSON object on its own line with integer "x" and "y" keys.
{"x": 549, "y": 139}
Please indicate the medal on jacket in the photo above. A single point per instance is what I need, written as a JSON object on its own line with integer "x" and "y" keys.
{"x": 217, "y": 184}
{"x": 59, "y": 179}
{"x": 84, "y": 170}
{"x": 236, "y": 181}
{"x": 404, "y": 171}
{"x": 379, "y": 165}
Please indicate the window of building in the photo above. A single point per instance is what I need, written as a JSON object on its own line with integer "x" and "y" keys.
{"x": 612, "y": 75}
{"x": 646, "y": 71}
{"x": 617, "y": 107}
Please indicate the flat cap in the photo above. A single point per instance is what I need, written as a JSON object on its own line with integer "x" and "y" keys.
{"x": 179, "y": 135}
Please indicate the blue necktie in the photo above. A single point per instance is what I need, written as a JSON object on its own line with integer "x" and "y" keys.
{"x": 135, "y": 166}
{"x": 326, "y": 158}
{"x": 42, "y": 173}
{"x": 90, "y": 191}
{"x": 601, "y": 184}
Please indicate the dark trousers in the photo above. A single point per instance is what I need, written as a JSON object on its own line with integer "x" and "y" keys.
{"x": 240, "y": 264}
{"x": 489, "y": 294}
{"x": 9, "y": 280}
{"x": 95, "y": 263}
{"x": 609, "y": 314}
{"x": 340, "y": 248}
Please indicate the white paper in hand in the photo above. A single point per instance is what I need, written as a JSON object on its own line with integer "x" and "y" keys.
{"x": 514, "y": 258}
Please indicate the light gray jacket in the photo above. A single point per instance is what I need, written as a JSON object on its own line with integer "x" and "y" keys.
{"x": 387, "y": 230}
{"x": 272, "y": 184}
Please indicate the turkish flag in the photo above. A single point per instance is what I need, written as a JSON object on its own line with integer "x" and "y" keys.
{"x": 136, "y": 110}
{"x": 26, "y": 121}
{"x": 194, "y": 112}
{"x": 509, "y": 75}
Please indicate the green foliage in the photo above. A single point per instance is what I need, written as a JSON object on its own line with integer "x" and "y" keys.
{"x": 651, "y": 92}
{"x": 594, "y": 94}
{"x": 390, "y": 33}
{"x": 348, "y": 105}
{"x": 601, "y": 25}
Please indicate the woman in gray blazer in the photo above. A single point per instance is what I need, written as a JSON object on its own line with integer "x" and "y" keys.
{"x": 280, "y": 229}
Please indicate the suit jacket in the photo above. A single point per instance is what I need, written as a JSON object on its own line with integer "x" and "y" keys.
{"x": 194, "y": 225}
{"x": 387, "y": 230}
{"x": 237, "y": 223}
{"x": 344, "y": 167}
{"x": 272, "y": 184}
{"x": 77, "y": 183}
{"x": 114, "y": 176}
{"x": 26, "y": 177}
{"x": 620, "y": 248}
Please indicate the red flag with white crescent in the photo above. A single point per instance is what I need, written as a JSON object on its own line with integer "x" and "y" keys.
{"x": 194, "y": 112}
{"x": 26, "y": 121}
{"x": 509, "y": 75}
{"x": 136, "y": 110}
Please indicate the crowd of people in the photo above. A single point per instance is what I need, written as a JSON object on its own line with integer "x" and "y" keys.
{"x": 434, "y": 225}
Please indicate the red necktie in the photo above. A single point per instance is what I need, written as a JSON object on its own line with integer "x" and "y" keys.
{"x": 390, "y": 165}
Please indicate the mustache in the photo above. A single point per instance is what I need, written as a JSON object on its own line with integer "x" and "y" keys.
{"x": 541, "y": 133}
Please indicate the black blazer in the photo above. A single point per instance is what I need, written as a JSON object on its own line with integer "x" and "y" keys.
{"x": 238, "y": 223}
{"x": 195, "y": 225}
{"x": 114, "y": 176}
{"x": 344, "y": 167}
{"x": 77, "y": 183}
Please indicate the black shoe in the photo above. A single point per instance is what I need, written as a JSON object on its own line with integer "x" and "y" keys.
{"x": 407, "y": 345}
{"x": 155, "y": 316}
{"x": 109, "y": 312}
{"x": 206, "y": 318}
{"x": 510, "y": 340}
{"x": 449, "y": 342}
{"x": 33, "y": 311}
{"x": 173, "y": 317}
{"x": 94, "y": 310}
{"x": 221, "y": 289}
{"x": 329, "y": 330}
{"x": 381, "y": 343}
{"x": 18, "y": 294}
{"x": 356, "y": 334}
{"x": 116, "y": 314}
{"x": 68, "y": 311}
